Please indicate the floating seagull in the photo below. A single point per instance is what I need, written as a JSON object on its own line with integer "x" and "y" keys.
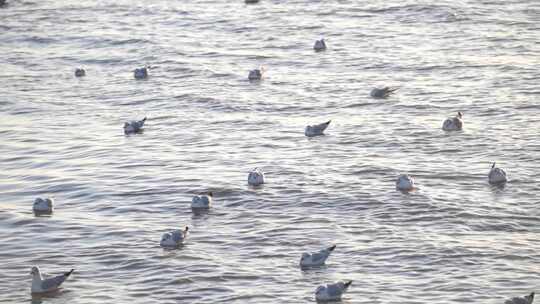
{"x": 256, "y": 177}
{"x": 43, "y": 205}
{"x": 80, "y": 72}
{"x": 496, "y": 175}
{"x": 317, "y": 258}
{"x": 141, "y": 73}
{"x": 524, "y": 300}
{"x": 453, "y": 123}
{"x": 134, "y": 126}
{"x": 174, "y": 238}
{"x": 382, "y": 93}
{"x": 202, "y": 201}
{"x": 256, "y": 74}
{"x": 405, "y": 183}
{"x": 40, "y": 285}
{"x": 331, "y": 292}
{"x": 316, "y": 129}
{"x": 320, "y": 45}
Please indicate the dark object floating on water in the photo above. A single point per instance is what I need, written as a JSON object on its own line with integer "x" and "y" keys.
{"x": 382, "y": 93}
{"x": 524, "y": 300}
{"x": 134, "y": 126}
{"x": 79, "y": 72}
{"x": 247, "y": 1}
{"x": 3, "y": 2}
{"x": 320, "y": 45}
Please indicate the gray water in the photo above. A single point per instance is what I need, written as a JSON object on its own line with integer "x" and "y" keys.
{"x": 456, "y": 239}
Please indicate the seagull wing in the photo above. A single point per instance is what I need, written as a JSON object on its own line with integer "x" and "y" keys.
{"x": 55, "y": 282}
{"x": 334, "y": 290}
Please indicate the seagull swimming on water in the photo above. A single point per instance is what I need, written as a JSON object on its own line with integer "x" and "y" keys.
{"x": 43, "y": 205}
{"x": 40, "y": 285}
{"x": 256, "y": 177}
{"x": 316, "y": 129}
{"x": 134, "y": 126}
{"x": 320, "y": 45}
{"x": 317, "y": 258}
{"x": 405, "y": 183}
{"x": 453, "y": 123}
{"x": 496, "y": 175}
{"x": 174, "y": 238}
{"x": 202, "y": 201}
{"x": 382, "y": 93}
{"x": 331, "y": 292}
{"x": 521, "y": 300}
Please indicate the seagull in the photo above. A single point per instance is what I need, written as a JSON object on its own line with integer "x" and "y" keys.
{"x": 80, "y": 72}
{"x": 382, "y": 93}
{"x": 256, "y": 74}
{"x": 316, "y": 129}
{"x": 320, "y": 45}
{"x": 43, "y": 205}
{"x": 453, "y": 123}
{"x": 331, "y": 292}
{"x": 256, "y": 177}
{"x": 316, "y": 259}
{"x": 405, "y": 183}
{"x": 40, "y": 285}
{"x": 174, "y": 238}
{"x": 134, "y": 126}
{"x": 202, "y": 201}
{"x": 524, "y": 300}
{"x": 496, "y": 175}
{"x": 141, "y": 73}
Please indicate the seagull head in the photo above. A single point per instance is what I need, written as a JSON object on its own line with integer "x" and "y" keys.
{"x": 35, "y": 271}
{"x": 493, "y": 165}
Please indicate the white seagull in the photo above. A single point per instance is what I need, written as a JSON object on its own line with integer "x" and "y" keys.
{"x": 320, "y": 45}
{"x": 453, "y": 123}
{"x": 40, "y": 285}
{"x": 80, "y": 72}
{"x": 174, "y": 238}
{"x": 405, "y": 183}
{"x": 316, "y": 129}
{"x": 317, "y": 258}
{"x": 523, "y": 300}
{"x": 140, "y": 73}
{"x": 256, "y": 74}
{"x": 43, "y": 205}
{"x": 256, "y": 177}
{"x": 382, "y": 93}
{"x": 134, "y": 126}
{"x": 331, "y": 292}
{"x": 202, "y": 201}
{"x": 496, "y": 175}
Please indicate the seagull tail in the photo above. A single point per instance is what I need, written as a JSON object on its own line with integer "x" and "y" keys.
{"x": 332, "y": 248}
{"x": 144, "y": 119}
{"x": 347, "y": 284}
{"x": 493, "y": 165}
{"x": 67, "y": 274}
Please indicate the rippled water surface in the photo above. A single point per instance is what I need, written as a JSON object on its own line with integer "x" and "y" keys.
{"x": 456, "y": 239}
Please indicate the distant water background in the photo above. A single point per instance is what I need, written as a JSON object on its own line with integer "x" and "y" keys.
{"x": 454, "y": 240}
